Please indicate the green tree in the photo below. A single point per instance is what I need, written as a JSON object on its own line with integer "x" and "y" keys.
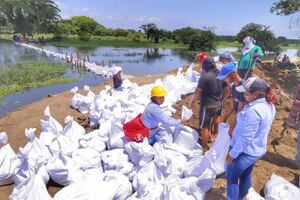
{"x": 185, "y": 35}
{"x": 203, "y": 40}
{"x": 264, "y": 37}
{"x": 30, "y": 16}
{"x": 149, "y": 29}
{"x": 286, "y": 7}
{"x": 85, "y": 24}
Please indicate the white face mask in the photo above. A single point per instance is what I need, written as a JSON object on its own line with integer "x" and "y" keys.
{"x": 248, "y": 43}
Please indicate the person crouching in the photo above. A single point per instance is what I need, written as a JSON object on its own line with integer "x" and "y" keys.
{"x": 145, "y": 125}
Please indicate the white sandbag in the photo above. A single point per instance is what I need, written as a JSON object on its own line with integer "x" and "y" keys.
{"x": 279, "y": 188}
{"x": 93, "y": 140}
{"x": 28, "y": 168}
{"x": 35, "y": 149}
{"x": 186, "y": 113}
{"x": 207, "y": 179}
{"x": 73, "y": 130}
{"x": 63, "y": 170}
{"x": 63, "y": 144}
{"x": 175, "y": 193}
{"x": 253, "y": 195}
{"x": 87, "y": 158}
{"x": 47, "y": 136}
{"x": 148, "y": 175}
{"x": 117, "y": 160}
{"x": 8, "y": 161}
{"x": 55, "y": 125}
{"x": 33, "y": 188}
{"x": 153, "y": 192}
{"x": 164, "y": 135}
{"x": 76, "y": 99}
{"x": 117, "y": 138}
{"x": 140, "y": 153}
{"x": 218, "y": 152}
{"x": 193, "y": 167}
{"x": 169, "y": 161}
{"x": 87, "y": 103}
{"x": 186, "y": 137}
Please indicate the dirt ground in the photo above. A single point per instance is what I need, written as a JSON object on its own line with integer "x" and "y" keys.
{"x": 281, "y": 145}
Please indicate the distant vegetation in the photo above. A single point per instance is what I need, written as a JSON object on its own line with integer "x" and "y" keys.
{"x": 31, "y": 74}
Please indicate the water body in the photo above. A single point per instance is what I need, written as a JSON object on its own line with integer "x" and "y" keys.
{"x": 134, "y": 61}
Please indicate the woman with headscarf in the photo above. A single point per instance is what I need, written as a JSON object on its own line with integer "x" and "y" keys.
{"x": 248, "y": 58}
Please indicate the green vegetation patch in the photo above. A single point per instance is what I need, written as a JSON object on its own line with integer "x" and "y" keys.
{"x": 19, "y": 77}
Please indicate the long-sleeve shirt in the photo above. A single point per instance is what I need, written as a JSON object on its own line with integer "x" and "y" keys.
{"x": 153, "y": 115}
{"x": 252, "y": 129}
{"x": 245, "y": 60}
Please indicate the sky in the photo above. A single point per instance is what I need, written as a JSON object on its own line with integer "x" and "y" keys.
{"x": 228, "y": 16}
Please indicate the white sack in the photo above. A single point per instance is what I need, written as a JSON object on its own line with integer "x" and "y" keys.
{"x": 32, "y": 188}
{"x": 8, "y": 161}
{"x": 278, "y": 188}
{"x": 140, "y": 153}
{"x": 186, "y": 137}
{"x": 116, "y": 136}
{"x": 186, "y": 113}
{"x": 73, "y": 130}
{"x": 93, "y": 140}
{"x": 253, "y": 195}
{"x": 54, "y": 124}
{"x": 47, "y": 136}
{"x": 63, "y": 144}
{"x": 87, "y": 158}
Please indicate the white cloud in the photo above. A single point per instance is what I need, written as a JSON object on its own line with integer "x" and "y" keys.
{"x": 144, "y": 19}
{"x": 85, "y": 9}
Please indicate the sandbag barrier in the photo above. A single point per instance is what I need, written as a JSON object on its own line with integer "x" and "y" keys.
{"x": 76, "y": 61}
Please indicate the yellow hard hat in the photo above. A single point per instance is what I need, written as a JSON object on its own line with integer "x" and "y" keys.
{"x": 158, "y": 91}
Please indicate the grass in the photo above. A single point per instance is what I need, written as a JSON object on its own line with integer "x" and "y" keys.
{"x": 19, "y": 77}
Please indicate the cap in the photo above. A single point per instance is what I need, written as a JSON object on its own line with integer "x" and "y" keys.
{"x": 226, "y": 69}
{"x": 253, "y": 84}
{"x": 115, "y": 70}
{"x": 226, "y": 55}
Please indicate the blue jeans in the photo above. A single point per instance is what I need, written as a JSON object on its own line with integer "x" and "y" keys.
{"x": 238, "y": 175}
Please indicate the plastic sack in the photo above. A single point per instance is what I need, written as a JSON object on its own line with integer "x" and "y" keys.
{"x": 87, "y": 158}
{"x": 8, "y": 161}
{"x": 186, "y": 113}
{"x": 63, "y": 144}
{"x": 253, "y": 195}
{"x": 218, "y": 152}
{"x": 54, "y": 124}
{"x": 76, "y": 98}
{"x": 35, "y": 149}
{"x": 279, "y": 188}
{"x": 93, "y": 140}
{"x": 186, "y": 137}
{"x": 140, "y": 153}
{"x": 73, "y": 130}
{"x": 116, "y": 136}
{"x": 207, "y": 179}
{"x": 116, "y": 160}
{"x": 63, "y": 170}
{"x": 46, "y": 136}
{"x": 32, "y": 188}
{"x": 193, "y": 167}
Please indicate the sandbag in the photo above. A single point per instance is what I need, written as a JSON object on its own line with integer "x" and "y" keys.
{"x": 186, "y": 137}
{"x": 94, "y": 141}
{"x": 140, "y": 153}
{"x": 279, "y": 188}
{"x": 54, "y": 124}
{"x": 117, "y": 138}
{"x": 8, "y": 161}
{"x": 117, "y": 160}
{"x": 253, "y": 195}
{"x": 47, "y": 136}
{"x": 186, "y": 113}
{"x": 218, "y": 152}
{"x": 87, "y": 158}
{"x": 33, "y": 188}
{"x": 193, "y": 167}
{"x": 35, "y": 149}
{"x": 207, "y": 179}
{"x": 76, "y": 99}
{"x": 63, "y": 170}
{"x": 73, "y": 130}
{"x": 63, "y": 144}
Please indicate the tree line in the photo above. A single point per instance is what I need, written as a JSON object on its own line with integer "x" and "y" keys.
{"x": 42, "y": 16}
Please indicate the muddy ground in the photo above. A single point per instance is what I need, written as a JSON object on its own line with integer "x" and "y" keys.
{"x": 281, "y": 144}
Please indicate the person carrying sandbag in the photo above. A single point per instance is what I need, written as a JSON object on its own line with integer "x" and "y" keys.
{"x": 145, "y": 125}
{"x": 250, "y": 54}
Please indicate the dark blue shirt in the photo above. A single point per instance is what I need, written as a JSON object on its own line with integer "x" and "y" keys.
{"x": 237, "y": 96}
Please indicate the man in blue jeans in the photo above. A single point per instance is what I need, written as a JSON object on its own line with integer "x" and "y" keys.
{"x": 249, "y": 139}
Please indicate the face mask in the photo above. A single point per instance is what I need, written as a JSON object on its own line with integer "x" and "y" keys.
{"x": 248, "y": 43}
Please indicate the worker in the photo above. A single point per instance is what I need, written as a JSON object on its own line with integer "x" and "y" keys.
{"x": 232, "y": 78}
{"x": 117, "y": 78}
{"x": 211, "y": 91}
{"x": 249, "y": 140}
{"x": 146, "y": 124}
{"x": 224, "y": 58}
{"x": 248, "y": 58}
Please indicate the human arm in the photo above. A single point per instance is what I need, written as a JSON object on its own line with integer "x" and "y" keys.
{"x": 195, "y": 96}
{"x": 246, "y": 128}
{"x": 160, "y": 116}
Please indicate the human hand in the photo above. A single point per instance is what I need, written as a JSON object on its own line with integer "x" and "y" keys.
{"x": 191, "y": 103}
{"x": 255, "y": 55}
{"x": 183, "y": 121}
{"x": 229, "y": 159}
